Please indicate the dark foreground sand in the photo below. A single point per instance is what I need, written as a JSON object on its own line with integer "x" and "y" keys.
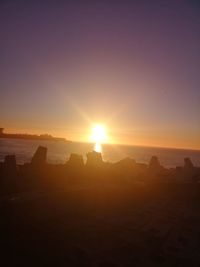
{"x": 142, "y": 225}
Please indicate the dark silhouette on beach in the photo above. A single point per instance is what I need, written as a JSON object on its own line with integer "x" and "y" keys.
{"x": 98, "y": 213}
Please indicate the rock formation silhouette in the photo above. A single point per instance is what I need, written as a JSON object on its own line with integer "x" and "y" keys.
{"x": 40, "y": 156}
{"x": 94, "y": 159}
{"x": 188, "y": 165}
{"x": 10, "y": 173}
{"x": 40, "y": 175}
{"x": 75, "y": 161}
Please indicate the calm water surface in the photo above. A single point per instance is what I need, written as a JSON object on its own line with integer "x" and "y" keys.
{"x": 59, "y": 152}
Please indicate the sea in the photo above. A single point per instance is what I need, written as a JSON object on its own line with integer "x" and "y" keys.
{"x": 59, "y": 152}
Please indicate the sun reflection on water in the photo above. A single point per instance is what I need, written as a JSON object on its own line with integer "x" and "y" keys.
{"x": 98, "y": 147}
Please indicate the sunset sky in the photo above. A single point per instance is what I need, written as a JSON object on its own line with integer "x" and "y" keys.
{"x": 133, "y": 66}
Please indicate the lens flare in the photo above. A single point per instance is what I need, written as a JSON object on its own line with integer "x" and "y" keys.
{"x": 98, "y": 134}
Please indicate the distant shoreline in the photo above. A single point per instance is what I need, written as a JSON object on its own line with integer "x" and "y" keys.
{"x": 32, "y": 137}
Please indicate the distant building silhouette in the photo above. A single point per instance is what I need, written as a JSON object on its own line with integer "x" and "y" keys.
{"x": 29, "y": 136}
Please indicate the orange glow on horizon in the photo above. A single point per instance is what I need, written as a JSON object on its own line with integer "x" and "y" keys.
{"x": 83, "y": 135}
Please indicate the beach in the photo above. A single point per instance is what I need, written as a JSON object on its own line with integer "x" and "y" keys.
{"x": 154, "y": 225}
{"x": 99, "y": 213}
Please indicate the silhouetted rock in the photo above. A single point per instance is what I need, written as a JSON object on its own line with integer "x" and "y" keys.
{"x": 40, "y": 156}
{"x": 141, "y": 166}
{"x": 94, "y": 159}
{"x": 188, "y": 164}
{"x": 190, "y": 172}
{"x": 9, "y": 173}
{"x": 1, "y": 131}
{"x": 10, "y": 165}
{"x": 126, "y": 163}
{"x": 73, "y": 170}
{"x": 179, "y": 169}
{"x": 38, "y": 175}
{"x": 154, "y": 163}
{"x": 75, "y": 161}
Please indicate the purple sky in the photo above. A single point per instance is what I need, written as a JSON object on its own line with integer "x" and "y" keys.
{"x": 65, "y": 65}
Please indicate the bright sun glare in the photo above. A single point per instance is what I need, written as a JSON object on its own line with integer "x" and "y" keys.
{"x": 99, "y": 134}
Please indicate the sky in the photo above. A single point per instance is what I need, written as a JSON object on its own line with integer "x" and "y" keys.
{"x": 133, "y": 66}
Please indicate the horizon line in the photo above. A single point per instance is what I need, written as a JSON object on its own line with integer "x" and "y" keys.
{"x": 111, "y": 143}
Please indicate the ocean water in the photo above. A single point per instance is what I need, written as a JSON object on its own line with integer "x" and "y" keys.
{"x": 59, "y": 152}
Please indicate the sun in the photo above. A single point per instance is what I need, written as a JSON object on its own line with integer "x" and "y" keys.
{"x": 99, "y": 134}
